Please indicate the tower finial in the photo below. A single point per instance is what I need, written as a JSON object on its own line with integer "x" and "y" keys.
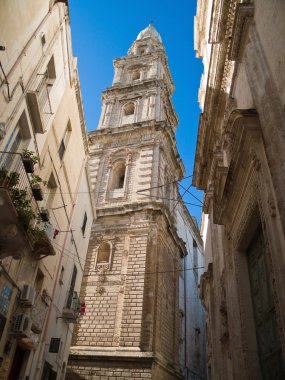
{"x": 151, "y": 22}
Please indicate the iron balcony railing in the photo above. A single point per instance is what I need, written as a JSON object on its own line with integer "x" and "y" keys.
{"x": 14, "y": 178}
{"x": 72, "y": 309}
{"x": 23, "y": 196}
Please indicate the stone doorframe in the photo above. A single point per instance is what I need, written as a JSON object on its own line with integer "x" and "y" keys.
{"x": 255, "y": 205}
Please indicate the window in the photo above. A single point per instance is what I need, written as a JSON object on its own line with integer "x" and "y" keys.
{"x": 142, "y": 50}
{"x": 64, "y": 140}
{"x": 136, "y": 75}
{"x": 118, "y": 176}
{"x": 71, "y": 288}
{"x": 129, "y": 109}
{"x": 51, "y": 190}
{"x": 5, "y": 297}
{"x": 54, "y": 345}
{"x": 61, "y": 275}
{"x": 84, "y": 224}
{"x": 195, "y": 261}
{"x": 51, "y": 74}
{"x": 128, "y": 114}
{"x": 61, "y": 149}
{"x": 104, "y": 255}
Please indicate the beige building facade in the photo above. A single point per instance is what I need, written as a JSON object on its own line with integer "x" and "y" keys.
{"x": 46, "y": 211}
{"x": 240, "y": 165}
{"x": 132, "y": 325}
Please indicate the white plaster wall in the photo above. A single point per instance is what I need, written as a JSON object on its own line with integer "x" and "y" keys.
{"x": 189, "y": 301}
{"x": 71, "y": 177}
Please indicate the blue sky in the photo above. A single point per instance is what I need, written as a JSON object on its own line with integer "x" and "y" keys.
{"x": 104, "y": 30}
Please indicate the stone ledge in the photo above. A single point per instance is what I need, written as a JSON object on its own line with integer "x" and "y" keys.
{"x": 108, "y": 353}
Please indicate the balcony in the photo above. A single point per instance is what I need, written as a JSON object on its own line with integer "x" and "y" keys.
{"x": 39, "y": 105}
{"x": 20, "y": 230}
{"x": 71, "y": 312}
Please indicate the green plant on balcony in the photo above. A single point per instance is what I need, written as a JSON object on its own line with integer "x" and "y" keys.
{"x": 36, "y": 182}
{"x": 8, "y": 179}
{"x": 22, "y": 204}
{"x": 29, "y": 160}
{"x": 36, "y": 234}
{"x": 30, "y": 154}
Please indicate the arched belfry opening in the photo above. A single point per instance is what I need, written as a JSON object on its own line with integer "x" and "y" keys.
{"x": 118, "y": 176}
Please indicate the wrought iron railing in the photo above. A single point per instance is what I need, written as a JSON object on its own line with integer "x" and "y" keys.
{"x": 73, "y": 301}
{"x": 14, "y": 178}
{"x": 23, "y": 197}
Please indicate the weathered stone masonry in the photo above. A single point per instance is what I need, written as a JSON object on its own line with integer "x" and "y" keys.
{"x": 130, "y": 285}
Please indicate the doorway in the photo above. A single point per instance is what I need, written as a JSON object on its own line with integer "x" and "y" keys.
{"x": 267, "y": 334}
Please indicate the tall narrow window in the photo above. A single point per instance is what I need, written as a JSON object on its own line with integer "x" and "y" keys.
{"x": 61, "y": 275}
{"x": 103, "y": 255}
{"x": 84, "y": 223}
{"x": 51, "y": 73}
{"x": 64, "y": 140}
{"x": 128, "y": 116}
{"x": 51, "y": 190}
{"x": 195, "y": 261}
{"x": 71, "y": 288}
{"x": 118, "y": 176}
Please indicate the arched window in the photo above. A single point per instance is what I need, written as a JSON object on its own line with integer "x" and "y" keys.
{"x": 104, "y": 255}
{"x": 118, "y": 176}
{"x": 129, "y": 109}
{"x": 104, "y": 252}
{"x": 128, "y": 114}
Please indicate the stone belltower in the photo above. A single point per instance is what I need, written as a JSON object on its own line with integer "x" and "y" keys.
{"x": 131, "y": 327}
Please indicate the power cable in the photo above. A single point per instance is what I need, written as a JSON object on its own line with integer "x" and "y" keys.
{"x": 194, "y": 196}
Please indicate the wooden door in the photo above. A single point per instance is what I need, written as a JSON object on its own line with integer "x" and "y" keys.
{"x": 267, "y": 333}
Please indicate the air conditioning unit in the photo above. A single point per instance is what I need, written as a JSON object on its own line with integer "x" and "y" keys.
{"x": 22, "y": 325}
{"x": 27, "y": 296}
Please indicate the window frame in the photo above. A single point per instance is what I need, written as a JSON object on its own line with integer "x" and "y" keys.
{"x": 84, "y": 223}
{"x": 104, "y": 265}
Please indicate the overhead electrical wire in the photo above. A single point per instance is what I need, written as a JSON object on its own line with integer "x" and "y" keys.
{"x": 128, "y": 274}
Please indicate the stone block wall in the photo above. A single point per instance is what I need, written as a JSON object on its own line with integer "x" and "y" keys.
{"x": 108, "y": 371}
{"x": 113, "y": 297}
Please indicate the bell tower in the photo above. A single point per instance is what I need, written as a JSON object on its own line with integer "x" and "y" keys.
{"x": 130, "y": 285}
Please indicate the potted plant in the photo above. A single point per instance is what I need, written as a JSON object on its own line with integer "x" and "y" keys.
{"x": 29, "y": 160}
{"x": 23, "y": 207}
{"x": 36, "y": 187}
{"x": 8, "y": 179}
{"x": 41, "y": 242}
{"x": 44, "y": 214}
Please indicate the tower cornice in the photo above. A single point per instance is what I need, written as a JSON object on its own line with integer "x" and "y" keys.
{"x": 138, "y": 130}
